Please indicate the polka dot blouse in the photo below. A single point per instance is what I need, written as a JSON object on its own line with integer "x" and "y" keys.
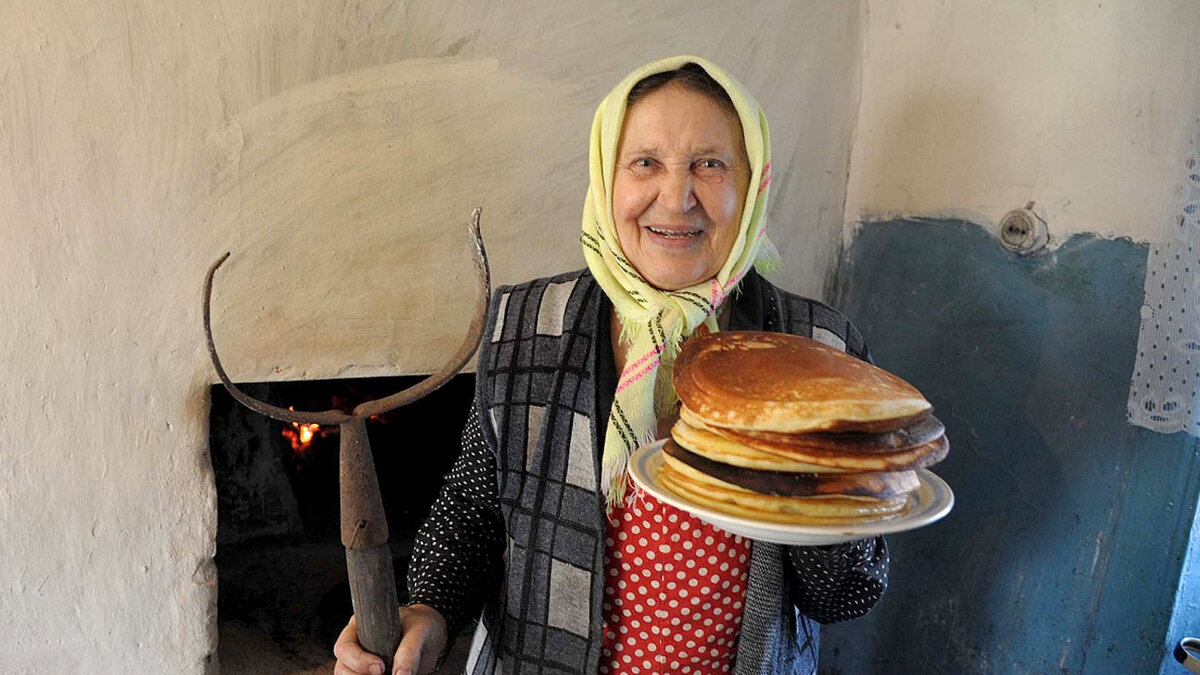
{"x": 458, "y": 549}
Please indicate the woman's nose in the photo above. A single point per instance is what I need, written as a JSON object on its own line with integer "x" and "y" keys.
{"x": 677, "y": 191}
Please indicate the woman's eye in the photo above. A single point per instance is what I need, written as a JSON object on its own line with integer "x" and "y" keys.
{"x": 643, "y": 162}
{"x": 710, "y": 164}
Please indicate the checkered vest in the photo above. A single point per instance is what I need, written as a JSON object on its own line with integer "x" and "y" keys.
{"x": 536, "y": 387}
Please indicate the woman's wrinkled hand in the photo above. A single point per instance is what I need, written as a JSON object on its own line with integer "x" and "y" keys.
{"x": 424, "y": 639}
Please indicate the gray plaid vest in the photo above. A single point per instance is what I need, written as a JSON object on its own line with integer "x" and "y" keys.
{"x": 536, "y": 385}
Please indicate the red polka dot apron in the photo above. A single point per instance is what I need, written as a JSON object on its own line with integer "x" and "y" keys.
{"x": 673, "y": 593}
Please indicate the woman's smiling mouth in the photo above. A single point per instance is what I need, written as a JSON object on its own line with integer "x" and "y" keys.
{"x": 674, "y": 233}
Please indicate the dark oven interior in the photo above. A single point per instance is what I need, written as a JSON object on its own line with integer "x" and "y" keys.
{"x": 282, "y": 589}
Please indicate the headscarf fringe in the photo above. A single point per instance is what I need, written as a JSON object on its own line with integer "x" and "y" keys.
{"x": 615, "y": 475}
{"x": 768, "y": 261}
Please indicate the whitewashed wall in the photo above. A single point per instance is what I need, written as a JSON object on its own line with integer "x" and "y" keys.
{"x": 975, "y": 107}
{"x": 336, "y": 149}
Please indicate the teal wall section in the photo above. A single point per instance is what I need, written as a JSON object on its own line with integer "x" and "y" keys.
{"x": 1065, "y": 549}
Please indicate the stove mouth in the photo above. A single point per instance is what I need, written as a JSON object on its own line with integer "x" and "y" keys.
{"x": 282, "y": 595}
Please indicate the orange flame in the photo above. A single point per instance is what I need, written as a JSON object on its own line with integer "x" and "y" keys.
{"x": 301, "y": 435}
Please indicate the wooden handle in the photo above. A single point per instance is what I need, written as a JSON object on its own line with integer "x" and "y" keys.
{"x": 373, "y": 592}
{"x": 365, "y": 536}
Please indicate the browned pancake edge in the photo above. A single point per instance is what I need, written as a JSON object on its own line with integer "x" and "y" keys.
{"x": 763, "y": 381}
{"x": 823, "y": 510}
{"x": 878, "y": 484}
{"x": 731, "y": 448}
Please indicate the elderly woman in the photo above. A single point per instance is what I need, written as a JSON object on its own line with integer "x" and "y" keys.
{"x": 538, "y": 532}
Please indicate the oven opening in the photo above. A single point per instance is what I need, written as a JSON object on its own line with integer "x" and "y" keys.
{"x": 283, "y": 595}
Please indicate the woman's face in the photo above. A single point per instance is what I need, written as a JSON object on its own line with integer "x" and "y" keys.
{"x": 679, "y": 187}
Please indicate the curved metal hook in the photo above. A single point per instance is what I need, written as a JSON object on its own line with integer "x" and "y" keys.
{"x": 484, "y": 276}
{"x": 379, "y": 406}
{"x": 328, "y": 417}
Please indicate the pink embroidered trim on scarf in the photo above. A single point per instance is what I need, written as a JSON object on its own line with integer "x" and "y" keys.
{"x": 638, "y": 376}
{"x": 635, "y": 364}
{"x": 627, "y": 379}
{"x": 766, "y": 178}
{"x": 733, "y": 282}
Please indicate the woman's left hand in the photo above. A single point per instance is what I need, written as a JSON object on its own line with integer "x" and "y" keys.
{"x": 424, "y": 639}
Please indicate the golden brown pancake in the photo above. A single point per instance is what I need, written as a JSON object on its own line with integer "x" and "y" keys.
{"x": 721, "y": 449}
{"x": 796, "y": 454}
{"x": 760, "y": 381}
{"x": 920, "y": 433}
{"x": 727, "y": 498}
{"x": 876, "y": 484}
{"x": 785, "y": 429}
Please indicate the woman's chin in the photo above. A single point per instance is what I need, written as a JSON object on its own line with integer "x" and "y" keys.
{"x": 673, "y": 267}
{"x": 674, "y": 280}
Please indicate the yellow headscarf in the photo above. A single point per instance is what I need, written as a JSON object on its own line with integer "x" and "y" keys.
{"x": 655, "y": 322}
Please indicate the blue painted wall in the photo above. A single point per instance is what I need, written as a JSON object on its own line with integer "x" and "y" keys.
{"x": 1065, "y": 548}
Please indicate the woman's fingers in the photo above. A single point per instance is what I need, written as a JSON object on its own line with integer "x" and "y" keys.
{"x": 424, "y": 640}
{"x": 408, "y": 656}
{"x": 352, "y": 659}
{"x": 340, "y": 669}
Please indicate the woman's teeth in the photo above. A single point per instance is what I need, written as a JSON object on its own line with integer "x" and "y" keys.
{"x": 672, "y": 234}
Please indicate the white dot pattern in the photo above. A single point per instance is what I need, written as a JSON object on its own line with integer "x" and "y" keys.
{"x": 457, "y": 552}
{"x": 1165, "y": 392}
{"x": 839, "y": 582}
{"x": 674, "y": 591}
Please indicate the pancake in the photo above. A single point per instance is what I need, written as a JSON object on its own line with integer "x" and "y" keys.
{"x": 876, "y": 484}
{"x": 727, "y": 498}
{"x": 758, "y": 381}
{"x": 920, "y": 433}
{"x": 720, "y": 449}
{"x": 795, "y": 453}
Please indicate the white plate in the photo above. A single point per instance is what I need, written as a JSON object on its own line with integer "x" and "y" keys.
{"x": 929, "y": 503}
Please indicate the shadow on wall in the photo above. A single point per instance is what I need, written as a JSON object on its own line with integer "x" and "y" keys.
{"x": 1064, "y": 549}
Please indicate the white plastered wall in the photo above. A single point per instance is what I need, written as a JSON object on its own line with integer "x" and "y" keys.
{"x": 336, "y": 149}
{"x": 972, "y": 108}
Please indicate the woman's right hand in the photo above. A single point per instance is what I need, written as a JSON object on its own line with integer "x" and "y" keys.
{"x": 424, "y": 639}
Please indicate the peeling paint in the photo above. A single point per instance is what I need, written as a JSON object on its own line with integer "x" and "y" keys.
{"x": 1064, "y": 551}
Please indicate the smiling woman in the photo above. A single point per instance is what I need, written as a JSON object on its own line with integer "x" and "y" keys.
{"x": 680, "y": 183}
{"x": 537, "y": 533}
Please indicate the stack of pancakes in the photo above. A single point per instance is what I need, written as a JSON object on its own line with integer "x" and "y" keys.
{"x": 783, "y": 428}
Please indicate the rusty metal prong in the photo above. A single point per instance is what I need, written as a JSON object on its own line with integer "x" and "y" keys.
{"x": 329, "y": 417}
{"x": 465, "y": 350}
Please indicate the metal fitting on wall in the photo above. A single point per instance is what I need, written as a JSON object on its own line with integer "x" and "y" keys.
{"x": 1023, "y": 232}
